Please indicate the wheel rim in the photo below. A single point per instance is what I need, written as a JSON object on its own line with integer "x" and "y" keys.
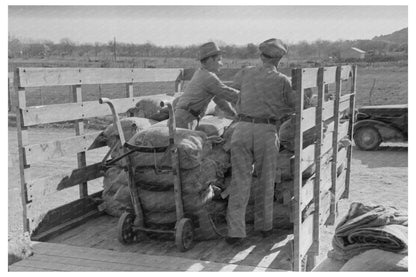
{"x": 125, "y": 228}
{"x": 184, "y": 234}
{"x": 187, "y": 235}
{"x": 368, "y": 138}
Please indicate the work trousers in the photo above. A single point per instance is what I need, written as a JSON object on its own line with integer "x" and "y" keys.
{"x": 185, "y": 119}
{"x": 257, "y": 144}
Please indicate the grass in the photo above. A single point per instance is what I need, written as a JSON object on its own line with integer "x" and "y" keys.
{"x": 387, "y": 84}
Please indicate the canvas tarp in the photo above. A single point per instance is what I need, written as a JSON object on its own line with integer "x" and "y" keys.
{"x": 370, "y": 227}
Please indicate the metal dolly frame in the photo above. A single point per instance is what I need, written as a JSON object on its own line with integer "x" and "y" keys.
{"x": 131, "y": 226}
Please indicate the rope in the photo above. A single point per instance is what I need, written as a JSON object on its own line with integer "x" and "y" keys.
{"x": 215, "y": 227}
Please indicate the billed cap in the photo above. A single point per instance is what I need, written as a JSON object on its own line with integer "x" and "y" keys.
{"x": 273, "y": 48}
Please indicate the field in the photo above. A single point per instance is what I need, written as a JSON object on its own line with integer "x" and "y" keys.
{"x": 382, "y": 84}
{"x": 378, "y": 177}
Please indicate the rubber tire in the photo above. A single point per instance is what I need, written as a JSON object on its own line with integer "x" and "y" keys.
{"x": 125, "y": 232}
{"x": 184, "y": 234}
{"x": 367, "y": 138}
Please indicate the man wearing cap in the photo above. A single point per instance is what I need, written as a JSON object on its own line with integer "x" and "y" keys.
{"x": 265, "y": 98}
{"x": 204, "y": 87}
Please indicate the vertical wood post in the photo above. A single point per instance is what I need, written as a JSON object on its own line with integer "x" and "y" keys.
{"x": 22, "y": 141}
{"x": 10, "y": 90}
{"x": 297, "y": 182}
{"x": 338, "y": 84}
{"x": 350, "y": 130}
{"x": 318, "y": 153}
{"x": 79, "y": 130}
{"x": 129, "y": 90}
{"x": 179, "y": 82}
{"x": 310, "y": 262}
{"x": 129, "y": 94}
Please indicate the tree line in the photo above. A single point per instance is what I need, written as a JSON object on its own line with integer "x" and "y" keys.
{"x": 303, "y": 50}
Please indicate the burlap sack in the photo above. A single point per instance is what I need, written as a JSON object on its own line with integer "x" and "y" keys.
{"x": 160, "y": 201}
{"x": 213, "y": 125}
{"x": 163, "y": 114}
{"x": 160, "y": 218}
{"x": 150, "y": 105}
{"x": 157, "y": 201}
{"x": 129, "y": 125}
{"x": 287, "y": 134}
{"x": 116, "y": 204}
{"x": 221, "y": 157}
{"x": 192, "y": 147}
{"x": 116, "y": 194}
{"x": 114, "y": 178}
{"x": 192, "y": 180}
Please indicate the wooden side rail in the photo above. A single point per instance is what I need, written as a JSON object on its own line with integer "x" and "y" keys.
{"x": 310, "y": 75}
{"x": 58, "y": 148}
{"x": 330, "y": 181}
{"x": 43, "y": 77}
{"x": 36, "y": 190}
{"x": 74, "y": 111}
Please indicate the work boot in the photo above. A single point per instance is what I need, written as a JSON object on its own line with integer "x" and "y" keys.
{"x": 266, "y": 234}
{"x": 233, "y": 240}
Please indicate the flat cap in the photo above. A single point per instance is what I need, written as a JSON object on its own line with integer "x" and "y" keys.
{"x": 208, "y": 49}
{"x": 273, "y": 48}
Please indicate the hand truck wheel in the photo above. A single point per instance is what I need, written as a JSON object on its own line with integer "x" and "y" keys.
{"x": 126, "y": 233}
{"x": 184, "y": 234}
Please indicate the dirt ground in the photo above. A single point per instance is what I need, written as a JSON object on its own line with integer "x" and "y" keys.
{"x": 378, "y": 177}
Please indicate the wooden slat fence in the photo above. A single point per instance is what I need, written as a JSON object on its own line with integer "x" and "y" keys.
{"x": 31, "y": 154}
{"x": 331, "y": 180}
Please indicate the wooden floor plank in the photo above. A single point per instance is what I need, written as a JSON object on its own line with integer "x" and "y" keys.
{"x": 50, "y": 266}
{"x": 20, "y": 268}
{"x": 94, "y": 264}
{"x": 101, "y": 233}
{"x": 59, "y": 257}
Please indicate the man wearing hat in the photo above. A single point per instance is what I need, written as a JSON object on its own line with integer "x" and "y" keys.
{"x": 265, "y": 97}
{"x": 204, "y": 87}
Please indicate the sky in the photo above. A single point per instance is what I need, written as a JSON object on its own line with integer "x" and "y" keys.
{"x": 187, "y": 25}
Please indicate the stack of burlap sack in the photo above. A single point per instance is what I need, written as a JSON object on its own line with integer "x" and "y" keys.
{"x": 199, "y": 171}
{"x": 369, "y": 238}
{"x": 203, "y": 163}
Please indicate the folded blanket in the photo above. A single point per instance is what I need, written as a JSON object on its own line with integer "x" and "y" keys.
{"x": 370, "y": 227}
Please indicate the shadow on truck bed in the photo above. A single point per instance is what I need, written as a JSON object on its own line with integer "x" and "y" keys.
{"x": 271, "y": 253}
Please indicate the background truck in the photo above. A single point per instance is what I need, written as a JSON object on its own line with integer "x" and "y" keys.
{"x": 73, "y": 235}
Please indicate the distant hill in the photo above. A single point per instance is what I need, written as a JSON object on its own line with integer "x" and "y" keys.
{"x": 398, "y": 37}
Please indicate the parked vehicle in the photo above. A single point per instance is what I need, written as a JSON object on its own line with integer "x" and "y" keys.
{"x": 377, "y": 124}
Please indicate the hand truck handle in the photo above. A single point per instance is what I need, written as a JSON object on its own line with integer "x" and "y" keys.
{"x": 115, "y": 118}
{"x": 171, "y": 122}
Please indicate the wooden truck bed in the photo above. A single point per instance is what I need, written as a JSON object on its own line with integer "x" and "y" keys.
{"x": 79, "y": 227}
{"x": 93, "y": 246}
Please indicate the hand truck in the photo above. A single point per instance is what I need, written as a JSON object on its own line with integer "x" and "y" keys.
{"x": 131, "y": 225}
